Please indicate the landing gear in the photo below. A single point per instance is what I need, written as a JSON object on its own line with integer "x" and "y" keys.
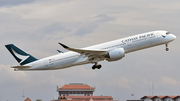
{"x": 93, "y": 67}
{"x": 98, "y": 66}
{"x": 167, "y": 49}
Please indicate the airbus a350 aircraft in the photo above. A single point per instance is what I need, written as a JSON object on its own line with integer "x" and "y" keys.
{"x": 110, "y": 51}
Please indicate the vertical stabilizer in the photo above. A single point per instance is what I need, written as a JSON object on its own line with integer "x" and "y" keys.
{"x": 21, "y": 56}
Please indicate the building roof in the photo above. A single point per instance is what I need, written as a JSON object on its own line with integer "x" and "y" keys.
{"x": 158, "y": 97}
{"x": 76, "y": 86}
{"x": 171, "y": 96}
{"x": 91, "y": 99}
{"x": 147, "y": 97}
{"x": 27, "y": 99}
{"x": 162, "y": 97}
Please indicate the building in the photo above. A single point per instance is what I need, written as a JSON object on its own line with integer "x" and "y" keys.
{"x": 76, "y": 89}
{"x": 79, "y": 92}
{"x": 161, "y": 98}
{"x": 27, "y": 99}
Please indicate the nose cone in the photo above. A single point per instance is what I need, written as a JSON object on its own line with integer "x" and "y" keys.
{"x": 173, "y": 37}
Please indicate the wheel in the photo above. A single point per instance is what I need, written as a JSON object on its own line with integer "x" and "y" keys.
{"x": 93, "y": 67}
{"x": 167, "y": 49}
{"x": 99, "y": 66}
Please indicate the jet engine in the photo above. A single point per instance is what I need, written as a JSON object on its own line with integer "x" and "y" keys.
{"x": 115, "y": 54}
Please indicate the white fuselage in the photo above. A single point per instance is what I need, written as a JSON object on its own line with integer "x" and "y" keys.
{"x": 129, "y": 44}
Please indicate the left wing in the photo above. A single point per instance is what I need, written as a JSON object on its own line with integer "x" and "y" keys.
{"x": 21, "y": 67}
{"x": 96, "y": 55}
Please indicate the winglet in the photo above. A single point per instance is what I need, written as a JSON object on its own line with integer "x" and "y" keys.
{"x": 63, "y": 45}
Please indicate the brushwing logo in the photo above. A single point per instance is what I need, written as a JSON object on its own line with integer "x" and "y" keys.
{"x": 22, "y": 57}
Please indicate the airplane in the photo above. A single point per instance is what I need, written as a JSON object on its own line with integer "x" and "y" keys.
{"x": 109, "y": 51}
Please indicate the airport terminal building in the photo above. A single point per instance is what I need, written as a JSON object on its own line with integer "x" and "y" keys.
{"x": 79, "y": 92}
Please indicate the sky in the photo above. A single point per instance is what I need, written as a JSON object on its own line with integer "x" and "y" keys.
{"x": 37, "y": 26}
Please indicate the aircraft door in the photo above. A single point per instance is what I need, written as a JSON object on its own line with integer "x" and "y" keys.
{"x": 46, "y": 62}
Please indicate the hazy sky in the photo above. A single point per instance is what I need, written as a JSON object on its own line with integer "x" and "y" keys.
{"x": 37, "y": 26}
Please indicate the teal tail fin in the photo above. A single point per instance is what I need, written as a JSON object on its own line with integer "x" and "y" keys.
{"x": 21, "y": 56}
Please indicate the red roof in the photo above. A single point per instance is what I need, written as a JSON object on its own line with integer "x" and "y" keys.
{"x": 172, "y": 96}
{"x": 147, "y": 97}
{"x": 27, "y": 99}
{"x": 76, "y": 87}
{"x": 91, "y": 99}
{"x": 160, "y": 96}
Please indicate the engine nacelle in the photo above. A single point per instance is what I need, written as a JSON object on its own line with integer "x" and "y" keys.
{"x": 115, "y": 54}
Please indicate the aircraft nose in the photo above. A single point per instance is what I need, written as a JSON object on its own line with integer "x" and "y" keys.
{"x": 173, "y": 36}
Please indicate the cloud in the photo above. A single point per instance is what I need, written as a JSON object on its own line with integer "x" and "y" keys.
{"x": 104, "y": 18}
{"x": 86, "y": 29}
{"x": 14, "y": 3}
{"x": 169, "y": 81}
{"x": 54, "y": 28}
{"x": 38, "y": 26}
{"x": 35, "y": 82}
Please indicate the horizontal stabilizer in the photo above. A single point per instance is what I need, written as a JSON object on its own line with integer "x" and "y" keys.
{"x": 60, "y": 51}
{"x": 21, "y": 67}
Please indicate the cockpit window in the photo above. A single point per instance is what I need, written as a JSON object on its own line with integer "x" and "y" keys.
{"x": 167, "y": 33}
